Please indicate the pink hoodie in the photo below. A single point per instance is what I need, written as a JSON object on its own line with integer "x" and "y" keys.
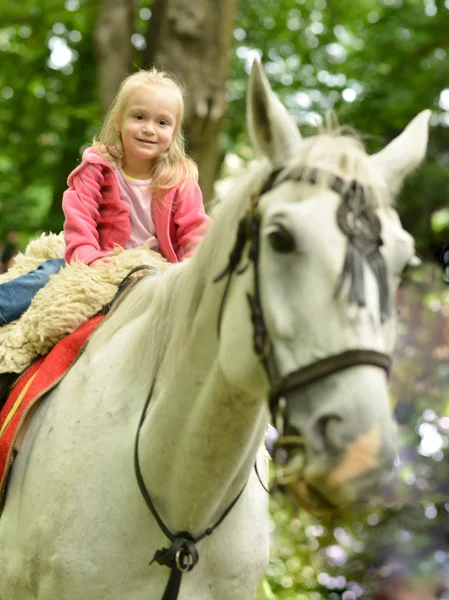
{"x": 96, "y": 220}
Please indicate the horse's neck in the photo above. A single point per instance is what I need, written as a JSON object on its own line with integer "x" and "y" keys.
{"x": 200, "y": 439}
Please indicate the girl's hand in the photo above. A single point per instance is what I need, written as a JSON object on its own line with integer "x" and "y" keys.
{"x": 100, "y": 262}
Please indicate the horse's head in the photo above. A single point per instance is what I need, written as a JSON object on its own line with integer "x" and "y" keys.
{"x": 326, "y": 251}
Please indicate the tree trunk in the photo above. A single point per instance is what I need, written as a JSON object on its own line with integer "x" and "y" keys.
{"x": 193, "y": 38}
{"x": 114, "y": 50}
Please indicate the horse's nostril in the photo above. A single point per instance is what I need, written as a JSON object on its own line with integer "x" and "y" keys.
{"x": 329, "y": 432}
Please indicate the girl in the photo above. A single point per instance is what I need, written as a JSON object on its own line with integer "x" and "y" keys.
{"x": 134, "y": 184}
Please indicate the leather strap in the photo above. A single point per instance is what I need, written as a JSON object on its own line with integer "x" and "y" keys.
{"x": 182, "y": 555}
{"x": 327, "y": 366}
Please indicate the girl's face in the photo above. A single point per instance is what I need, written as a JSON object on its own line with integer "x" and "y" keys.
{"x": 147, "y": 126}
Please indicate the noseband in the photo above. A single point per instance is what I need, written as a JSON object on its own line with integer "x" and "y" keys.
{"x": 362, "y": 227}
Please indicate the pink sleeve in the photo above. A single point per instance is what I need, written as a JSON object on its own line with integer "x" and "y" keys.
{"x": 80, "y": 204}
{"x": 190, "y": 217}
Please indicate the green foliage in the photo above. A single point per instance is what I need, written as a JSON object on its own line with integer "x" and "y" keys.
{"x": 377, "y": 64}
{"x": 45, "y": 108}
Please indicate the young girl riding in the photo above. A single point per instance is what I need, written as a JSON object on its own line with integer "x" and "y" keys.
{"x": 135, "y": 184}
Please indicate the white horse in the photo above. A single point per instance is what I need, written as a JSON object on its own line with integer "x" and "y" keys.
{"x": 302, "y": 317}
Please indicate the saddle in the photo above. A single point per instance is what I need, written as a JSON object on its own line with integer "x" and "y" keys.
{"x": 70, "y": 298}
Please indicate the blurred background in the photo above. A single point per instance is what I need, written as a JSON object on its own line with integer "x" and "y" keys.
{"x": 377, "y": 64}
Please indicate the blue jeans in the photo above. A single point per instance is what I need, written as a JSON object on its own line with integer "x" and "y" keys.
{"x": 16, "y": 295}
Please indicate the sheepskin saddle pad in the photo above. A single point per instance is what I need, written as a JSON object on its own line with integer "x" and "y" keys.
{"x": 70, "y": 298}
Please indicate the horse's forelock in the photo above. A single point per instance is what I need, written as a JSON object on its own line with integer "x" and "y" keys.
{"x": 336, "y": 155}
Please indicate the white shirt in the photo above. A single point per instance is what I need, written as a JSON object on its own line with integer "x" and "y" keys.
{"x": 137, "y": 195}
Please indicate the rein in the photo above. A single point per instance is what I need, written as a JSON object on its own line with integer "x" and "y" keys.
{"x": 182, "y": 555}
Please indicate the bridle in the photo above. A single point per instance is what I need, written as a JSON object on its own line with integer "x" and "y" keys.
{"x": 362, "y": 227}
{"x": 359, "y": 222}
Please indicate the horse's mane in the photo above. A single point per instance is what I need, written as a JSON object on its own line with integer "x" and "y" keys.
{"x": 151, "y": 299}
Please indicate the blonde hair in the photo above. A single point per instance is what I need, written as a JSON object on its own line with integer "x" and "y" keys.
{"x": 173, "y": 166}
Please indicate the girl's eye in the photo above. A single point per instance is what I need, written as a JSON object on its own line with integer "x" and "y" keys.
{"x": 163, "y": 122}
{"x": 139, "y": 117}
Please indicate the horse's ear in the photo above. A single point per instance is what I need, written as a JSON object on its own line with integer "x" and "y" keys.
{"x": 405, "y": 152}
{"x": 272, "y": 130}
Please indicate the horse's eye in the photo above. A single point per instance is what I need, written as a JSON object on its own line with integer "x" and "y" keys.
{"x": 281, "y": 240}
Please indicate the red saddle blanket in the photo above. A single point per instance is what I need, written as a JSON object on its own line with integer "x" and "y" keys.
{"x": 40, "y": 378}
